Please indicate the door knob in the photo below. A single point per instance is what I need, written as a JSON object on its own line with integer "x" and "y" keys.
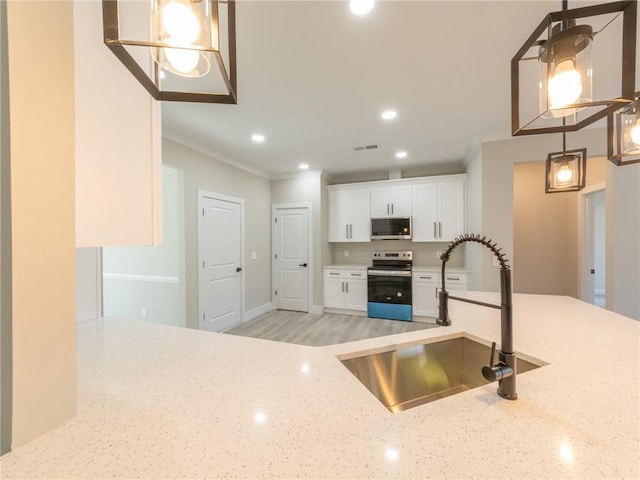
{"x": 302, "y": 264}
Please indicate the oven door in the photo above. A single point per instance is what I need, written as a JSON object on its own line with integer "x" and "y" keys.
{"x": 389, "y": 287}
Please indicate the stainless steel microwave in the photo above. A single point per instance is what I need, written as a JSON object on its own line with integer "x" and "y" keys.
{"x": 398, "y": 228}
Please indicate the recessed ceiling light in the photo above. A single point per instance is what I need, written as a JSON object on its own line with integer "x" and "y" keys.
{"x": 401, "y": 154}
{"x": 258, "y": 138}
{"x": 361, "y": 7}
{"x": 389, "y": 114}
{"x": 304, "y": 166}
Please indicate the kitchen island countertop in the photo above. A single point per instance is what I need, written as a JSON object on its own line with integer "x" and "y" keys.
{"x": 164, "y": 402}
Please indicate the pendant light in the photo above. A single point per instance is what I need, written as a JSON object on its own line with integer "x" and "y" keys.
{"x": 179, "y": 50}
{"x": 566, "y": 171}
{"x": 560, "y": 94}
{"x": 623, "y": 134}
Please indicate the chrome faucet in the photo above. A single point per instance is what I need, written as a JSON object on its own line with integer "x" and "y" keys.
{"x": 504, "y": 370}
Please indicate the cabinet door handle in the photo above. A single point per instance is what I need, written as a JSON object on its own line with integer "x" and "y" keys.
{"x": 387, "y": 209}
{"x": 351, "y": 231}
{"x": 347, "y": 287}
{"x": 347, "y": 231}
{"x": 356, "y": 274}
{"x": 334, "y": 273}
{"x": 343, "y": 287}
{"x": 435, "y": 235}
{"x": 425, "y": 278}
{"x": 436, "y": 289}
{"x": 439, "y": 230}
{"x": 392, "y": 209}
{"x": 453, "y": 278}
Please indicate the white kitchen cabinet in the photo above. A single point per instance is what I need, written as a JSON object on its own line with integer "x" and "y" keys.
{"x": 391, "y": 201}
{"x": 349, "y": 215}
{"x": 345, "y": 289}
{"x": 424, "y": 293}
{"x": 426, "y": 287}
{"x": 438, "y": 211}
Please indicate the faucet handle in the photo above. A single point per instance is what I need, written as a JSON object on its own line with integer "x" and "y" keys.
{"x": 496, "y": 370}
{"x": 493, "y": 354}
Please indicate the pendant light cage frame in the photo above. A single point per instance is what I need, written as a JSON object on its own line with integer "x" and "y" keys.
{"x": 584, "y": 113}
{"x": 140, "y": 51}
{"x": 623, "y": 130}
{"x": 575, "y": 161}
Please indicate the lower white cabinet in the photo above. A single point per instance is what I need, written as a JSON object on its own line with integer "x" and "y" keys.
{"x": 426, "y": 286}
{"x": 345, "y": 288}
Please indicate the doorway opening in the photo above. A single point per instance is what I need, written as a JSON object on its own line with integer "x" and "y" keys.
{"x": 148, "y": 282}
{"x": 593, "y": 258}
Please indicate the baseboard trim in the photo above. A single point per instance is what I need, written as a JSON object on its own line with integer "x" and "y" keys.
{"x": 316, "y": 309}
{"x": 256, "y": 312}
{"x": 344, "y": 311}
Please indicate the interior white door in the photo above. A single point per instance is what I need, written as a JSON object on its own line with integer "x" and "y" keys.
{"x": 220, "y": 251}
{"x": 291, "y": 259}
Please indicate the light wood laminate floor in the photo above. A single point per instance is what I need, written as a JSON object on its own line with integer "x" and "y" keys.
{"x": 320, "y": 330}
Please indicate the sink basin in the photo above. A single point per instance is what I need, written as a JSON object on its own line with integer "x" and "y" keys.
{"x": 407, "y": 376}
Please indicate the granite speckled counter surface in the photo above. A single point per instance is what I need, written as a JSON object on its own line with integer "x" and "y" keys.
{"x": 164, "y": 402}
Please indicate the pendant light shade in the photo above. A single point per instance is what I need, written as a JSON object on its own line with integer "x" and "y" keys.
{"x": 623, "y": 131}
{"x": 556, "y": 87}
{"x": 179, "y": 50}
{"x": 566, "y": 171}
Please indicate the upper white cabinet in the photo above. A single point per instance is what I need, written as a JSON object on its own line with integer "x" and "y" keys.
{"x": 438, "y": 211}
{"x": 349, "y": 215}
{"x": 436, "y": 204}
{"x": 391, "y": 201}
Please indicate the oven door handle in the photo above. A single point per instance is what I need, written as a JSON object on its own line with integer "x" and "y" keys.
{"x": 390, "y": 273}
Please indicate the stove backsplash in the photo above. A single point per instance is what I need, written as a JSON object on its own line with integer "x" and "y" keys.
{"x": 424, "y": 253}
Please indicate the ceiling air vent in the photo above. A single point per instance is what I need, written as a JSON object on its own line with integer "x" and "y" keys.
{"x": 365, "y": 147}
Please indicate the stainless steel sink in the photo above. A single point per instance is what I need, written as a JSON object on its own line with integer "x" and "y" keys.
{"x": 408, "y": 376}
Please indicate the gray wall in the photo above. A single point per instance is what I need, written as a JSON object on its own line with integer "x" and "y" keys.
{"x": 203, "y": 172}
{"x": 496, "y": 164}
{"x": 301, "y": 189}
{"x": 623, "y": 240}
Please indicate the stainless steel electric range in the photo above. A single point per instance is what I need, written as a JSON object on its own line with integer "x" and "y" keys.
{"x": 389, "y": 286}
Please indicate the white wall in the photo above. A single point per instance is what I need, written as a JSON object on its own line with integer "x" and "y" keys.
{"x": 118, "y": 156}
{"x": 42, "y": 127}
{"x": 473, "y": 255}
{"x": 151, "y": 278}
{"x": 202, "y": 171}
{"x": 5, "y": 244}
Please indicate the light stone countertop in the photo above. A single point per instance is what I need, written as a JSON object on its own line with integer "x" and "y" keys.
{"x": 164, "y": 402}
{"x": 347, "y": 267}
{"x": 438, "y": 269}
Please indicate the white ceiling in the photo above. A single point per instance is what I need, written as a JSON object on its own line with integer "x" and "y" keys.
{"x": 314, "y": 78}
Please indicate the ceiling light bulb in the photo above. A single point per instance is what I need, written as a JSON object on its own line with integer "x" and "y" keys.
{"x": 564, "y": 174}
{"x": 183, "y": 60}
{"x": 304, "y": 166}
{"x": 180, "y": 23}
{"x": 635, "y": 133}
{"x": 401, "y": 154}
{"x": 389, "y": 115}
{"x": 257, "y": 138}
{"x": 361, "y": 7}
{"x": 565, "y": 87}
